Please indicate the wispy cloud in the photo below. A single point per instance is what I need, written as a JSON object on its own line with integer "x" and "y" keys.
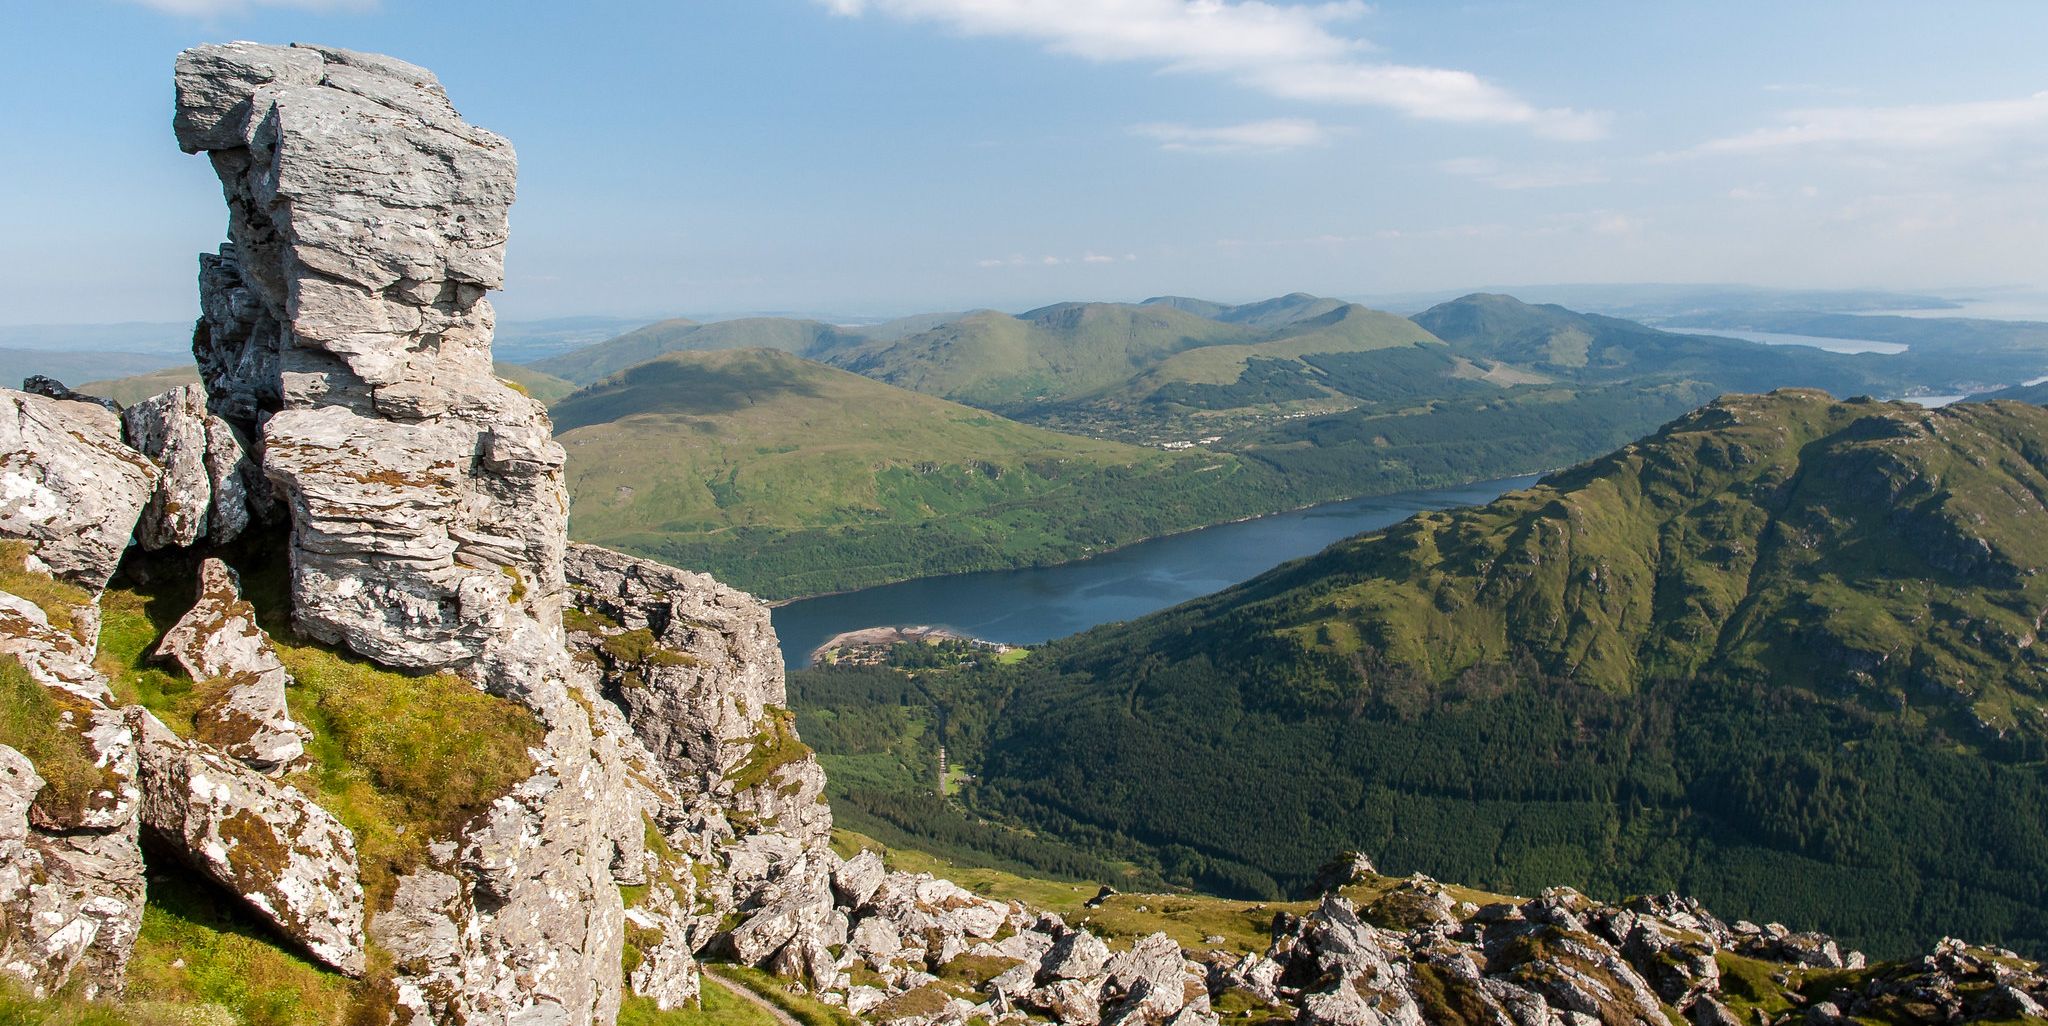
{"x": 1285, "y": 50}
{"x": 1912, "y": 127}
{"x": 214, "y": 8}
{"x": 1252, "y": 136}
{"x": 1547, "y": 176}
{"x": 1054, "y": 260}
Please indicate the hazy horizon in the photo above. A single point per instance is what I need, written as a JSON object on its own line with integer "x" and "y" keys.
{"x": 878, "y": 157}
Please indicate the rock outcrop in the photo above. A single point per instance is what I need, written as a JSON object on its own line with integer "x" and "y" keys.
{"x": 51, "y": 388}
{"x": 346, "y": 320}
{"x": 284, "y": 857}
{"x": 201, "y": 491}
{"x": 218, "y": 642}
{"x": 68, "y": 484}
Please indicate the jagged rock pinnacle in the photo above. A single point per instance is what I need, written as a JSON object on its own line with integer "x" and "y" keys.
{"x": 346, "y": 319}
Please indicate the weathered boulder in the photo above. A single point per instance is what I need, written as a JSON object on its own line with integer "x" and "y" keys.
{"x": 69, "y": 485}
{"x": 854, "y": 881}
{"x": 200, "y": 491}
{"x": 693, "y": 663}
{"x": 286, "y": 858}
{"x": 1076, "y": 956}
{"x": 57, "y": 658}
{"x": 1346, "y": 869}
{"x": 76, "y": 926}
{"x": 1151, "y": 982}
{"x": 219, "y": 642}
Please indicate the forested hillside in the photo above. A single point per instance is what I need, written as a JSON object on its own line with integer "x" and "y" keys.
{"x": 1783, "y": 654}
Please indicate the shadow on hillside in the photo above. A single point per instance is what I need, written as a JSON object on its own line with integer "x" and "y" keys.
{"x": 666, "y": 386}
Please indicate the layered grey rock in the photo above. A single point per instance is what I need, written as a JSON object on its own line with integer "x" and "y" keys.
{"x": 200, "y": 492}
{"x": 68, "y": 485}
{"x": 218, "y": 642}
{"x": 693, "y": 663}
{"x": 347, "y": 318}
{"x": 519, "y": 919}
{"x": 284, "y": 857}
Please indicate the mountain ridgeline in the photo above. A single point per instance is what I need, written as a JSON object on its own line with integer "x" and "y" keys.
{"x": 1288, "y": 402}
{"x": 1783, "y": 653}
{"x": 790, "y": 477}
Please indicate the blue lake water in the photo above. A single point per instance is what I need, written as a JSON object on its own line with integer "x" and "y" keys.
{"x": 1025, "y": 607}
{"x": 1775, "y": 338}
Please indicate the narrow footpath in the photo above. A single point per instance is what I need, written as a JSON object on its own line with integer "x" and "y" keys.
{"x": 746, "y": 993}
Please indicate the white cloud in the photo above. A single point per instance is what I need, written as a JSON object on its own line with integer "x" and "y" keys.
{"x": 1052, "y": 260}
{"x": 1284, "y": 50}
{"x": 1548, "y": 176}
{"x": 1930, "y": 126}
{"x": 1263, "y": 136}
{"x": 213, "y": 8}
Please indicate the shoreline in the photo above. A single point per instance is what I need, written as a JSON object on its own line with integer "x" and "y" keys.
{"x": 1539, "y": 474}
{"x": 886, "y": 637}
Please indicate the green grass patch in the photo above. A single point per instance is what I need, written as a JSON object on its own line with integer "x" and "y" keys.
{"x": 775, "y": 746}
{"x": 640, "y": 647}
{"x": 717, "y": 1006}
{"x": 196, "y": 949}
{"x": 55, "y": 598}
{"x": 132, "y": 621}
{"x": 805, "y": 1009}
{"x": 32, "y": 722}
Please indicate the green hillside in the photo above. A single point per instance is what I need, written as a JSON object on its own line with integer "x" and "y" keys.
{"x": 1267, "y": 313}
{"x": 1556, "y": 342}
{"x": 1053, "y": 353}
{"x": 135, "y": 388}
{"x": 1944, "y": 354}
{"x": 1783, "y": 654}
{"x": 788, "y": 477}
{"x": 804, "y": 338}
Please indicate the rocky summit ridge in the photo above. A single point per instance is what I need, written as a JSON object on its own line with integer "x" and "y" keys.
{"x": 669, "y": 812}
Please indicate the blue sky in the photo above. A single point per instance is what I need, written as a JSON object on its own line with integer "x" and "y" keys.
{"x": 891, "y": 156}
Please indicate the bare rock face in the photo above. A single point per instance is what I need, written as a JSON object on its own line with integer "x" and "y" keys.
{"x": 287, "y": 859}
{"x": 519, "y": 919}
{"x": 695, "y": 666}
{"x": 200, "y": 492}
{"x": 71, "y": 874}
{"x": 347, "y": 319}
{"x": 68, "y": 485}
{"x": 218, "y": 641}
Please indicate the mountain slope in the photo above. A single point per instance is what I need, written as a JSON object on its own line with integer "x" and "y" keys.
{"x": 1557, "y": 342}
{"x": 1057, "y": 352}
{"x": 1784, "y": 653}
{"x": 789, "y": 477}
{"x": 804, "y": 338}
{"x": 1266, "y": 313}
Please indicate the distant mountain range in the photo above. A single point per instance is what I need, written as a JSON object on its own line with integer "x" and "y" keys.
{"x": 1306, "y": 398}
